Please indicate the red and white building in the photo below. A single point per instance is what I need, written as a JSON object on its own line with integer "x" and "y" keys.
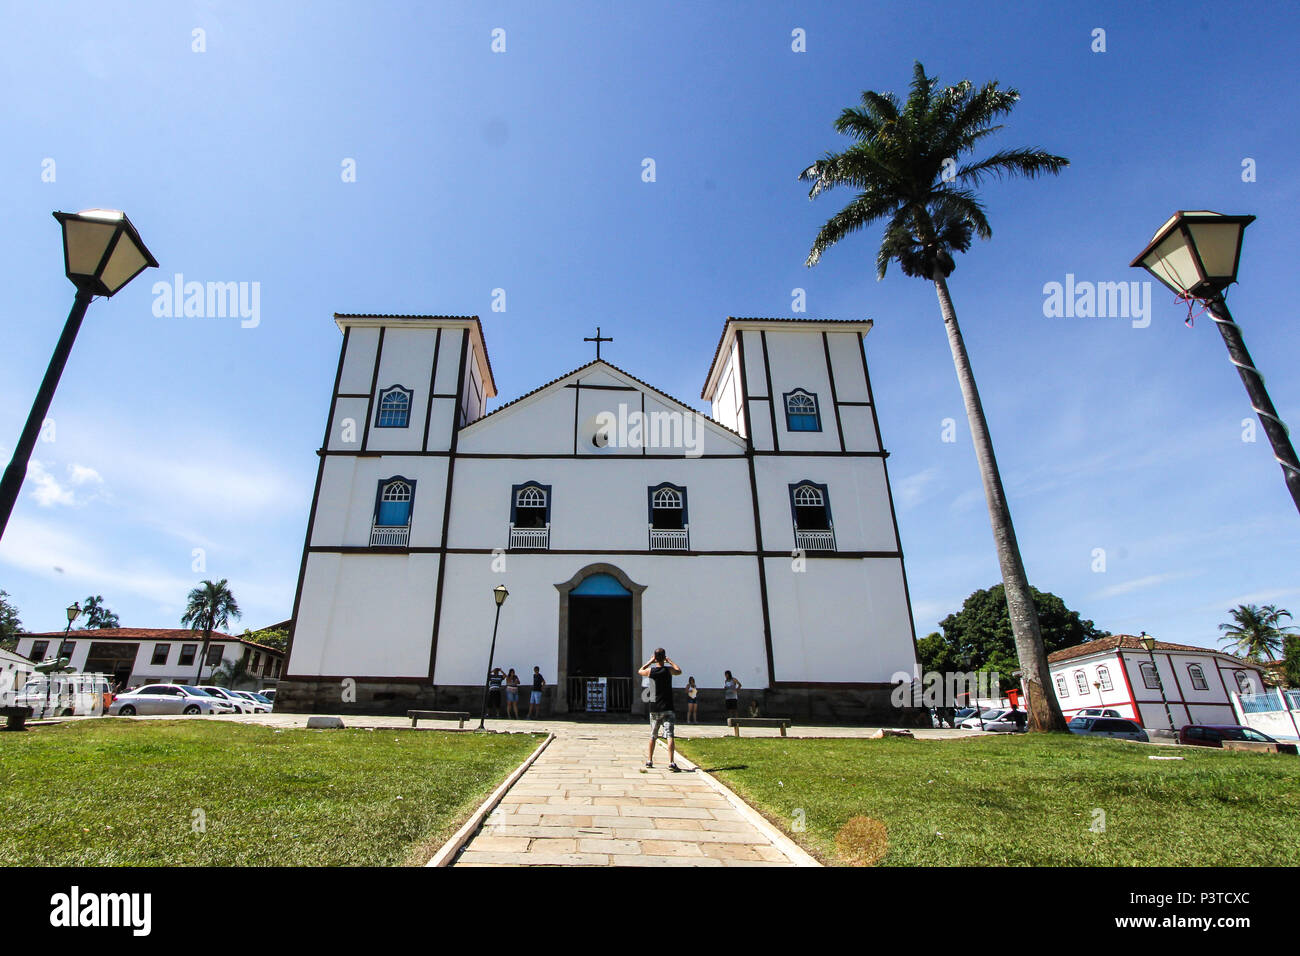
{"x": 132, "y": 656}
{"x": 1118, "y": 672}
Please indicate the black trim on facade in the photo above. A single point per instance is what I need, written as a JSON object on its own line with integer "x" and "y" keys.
{"x": 753, "y": 496}
{"x": 433, "y": 382}
{"x": 374, "y": 384}
{"x": 771, "y": 405}
{"x": 431, "y": 549}
{"x": 835, "y": 400}
{"x": 446, "y": 505}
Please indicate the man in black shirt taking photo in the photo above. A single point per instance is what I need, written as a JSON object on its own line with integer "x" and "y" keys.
{"x": 661, "y": 670}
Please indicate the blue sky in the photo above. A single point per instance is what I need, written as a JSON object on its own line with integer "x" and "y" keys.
{"x": 522, "y": 170}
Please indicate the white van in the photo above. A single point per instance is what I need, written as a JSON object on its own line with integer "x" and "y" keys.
{"x": 66, "y": 695}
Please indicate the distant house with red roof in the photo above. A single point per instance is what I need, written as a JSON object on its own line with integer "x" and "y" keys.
{"x": 1117, "y": 672}
{"x": 150, "y": 655}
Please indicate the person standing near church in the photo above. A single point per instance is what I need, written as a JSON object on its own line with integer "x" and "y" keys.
{"x": 692, "y": 702}
{"x": 495, "y": 679}
{"x": 535, "y": 698}
{"x": 731, "y": 690}
{"x": 512, "y": 694}
{"x": 661, "y": 670}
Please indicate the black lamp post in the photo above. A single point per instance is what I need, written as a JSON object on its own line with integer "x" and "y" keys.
{"x": 500, "y": 594}
{"x": 1149, "y": 643}
{"x": 1195, "y": 254}
{"x": 102, "y": 252}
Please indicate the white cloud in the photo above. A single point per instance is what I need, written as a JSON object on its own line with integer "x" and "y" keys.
{"x": 911, "y": 490}
{"x": 45, "y": 488}
{"x": 1141, "y": 584}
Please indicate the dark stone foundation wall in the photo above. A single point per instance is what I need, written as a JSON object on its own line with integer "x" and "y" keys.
{"x": 828, "y": 705}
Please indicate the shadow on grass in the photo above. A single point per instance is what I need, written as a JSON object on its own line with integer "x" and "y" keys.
{"x": 739, "y": 766}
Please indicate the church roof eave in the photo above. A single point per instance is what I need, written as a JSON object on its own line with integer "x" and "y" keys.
{"x": 727, "y": 432}
{"x": 733, "y": 323}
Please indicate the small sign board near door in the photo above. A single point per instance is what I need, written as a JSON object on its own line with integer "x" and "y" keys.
{"x": 596, "y": 695}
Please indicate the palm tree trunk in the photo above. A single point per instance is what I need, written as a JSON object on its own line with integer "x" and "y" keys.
{"x": 1043, "y": 709}
{"x": 203, "y": 654}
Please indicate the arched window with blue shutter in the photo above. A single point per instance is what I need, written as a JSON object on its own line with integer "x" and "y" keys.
{"x": 801, "y": 413}
{"x": 394, "y": 407}
{"x": 393, "y": 502}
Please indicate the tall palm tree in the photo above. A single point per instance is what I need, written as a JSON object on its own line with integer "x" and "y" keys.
{"x": 98, "y": 616}
{"x": 1257, "y": 632}
{"x": 904, "y": 168}
{"x": 210, "y": 606}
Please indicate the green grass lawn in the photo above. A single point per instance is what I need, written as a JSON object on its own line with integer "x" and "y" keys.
{"x": 119, "y": 792}
{"x": 1022, "y": 800}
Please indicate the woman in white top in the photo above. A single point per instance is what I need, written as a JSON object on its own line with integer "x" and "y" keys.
{"x": 731, "y": 691}
{"x": 692, "y": 702}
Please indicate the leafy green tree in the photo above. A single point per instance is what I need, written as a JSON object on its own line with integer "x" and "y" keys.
{"x": 907, "y": 167}
{"x": 230, "y": 674}
{"x": 1291, "y": 660}
{"x": 98, "y": 616}
{"x": 10, "y": 626}
{"x": 268, "y": 637}
{"x": 1256, "y": 632}
{"x": 210, "y": 606}
{"x": 979, "y": 637}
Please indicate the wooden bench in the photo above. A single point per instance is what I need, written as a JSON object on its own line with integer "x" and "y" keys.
{"x": 735, "y": 723}
{"x": 417, "y": 715}
{"x": 15, "y": 717}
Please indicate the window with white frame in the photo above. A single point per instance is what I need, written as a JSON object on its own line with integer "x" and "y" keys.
{"x": 1245, "y": 683}
{"x": 531, "y": 507}
{"x": 1081, "y": 682}
{"x": 393, "y": 505}
{"x": 1103, "y": 677}
{"x": 668, "y": 508}
{"x": 1150, "y": 677}
{"x": 810, "y": 509}
{"x": 1061, "y": 689}
{"x": 394, "y": 407}
{"x": 801, "y": 414}
{"x": 1197, "y": 674}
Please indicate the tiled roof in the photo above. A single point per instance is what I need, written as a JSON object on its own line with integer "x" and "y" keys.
{"x": 145, "y": 634}
{"x": 758, "y": 318}
{"x": 583, "y": 368}
{"x": 1131, "y": 642}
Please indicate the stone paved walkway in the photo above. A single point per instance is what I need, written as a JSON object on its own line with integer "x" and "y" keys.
{"x": 588, "y": 801}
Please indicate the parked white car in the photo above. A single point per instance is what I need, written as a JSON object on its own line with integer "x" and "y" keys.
{"x": 260, "y": 704}
{"x": 238, "y": 704}
{"x": 167, "y": 699}
{"x": 1099, "y": 712}
{"x": 999, "y": 721}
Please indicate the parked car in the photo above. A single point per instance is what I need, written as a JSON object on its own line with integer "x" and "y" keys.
{"x": 1100, "y": 712}
{"x": 1119, "y": 728}
{"x": 1002, "y": 720}
{"x": 260, "y": 704}
{"x": 1213, "y": 735}
{"x": 962, "y": 714}
{"x": 167, "y": 699}
{"x": 268, "y": 694}
{"x": 238, "y": 704}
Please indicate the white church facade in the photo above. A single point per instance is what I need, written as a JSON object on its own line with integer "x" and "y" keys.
{"x": 760, "y": 539}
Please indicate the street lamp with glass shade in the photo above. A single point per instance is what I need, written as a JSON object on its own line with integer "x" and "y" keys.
{"x": 102, "y": 252}
{"x": 499, "y": 594}
{"x": 1195, "y": 255}
{"x": 1149, "y": 642}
